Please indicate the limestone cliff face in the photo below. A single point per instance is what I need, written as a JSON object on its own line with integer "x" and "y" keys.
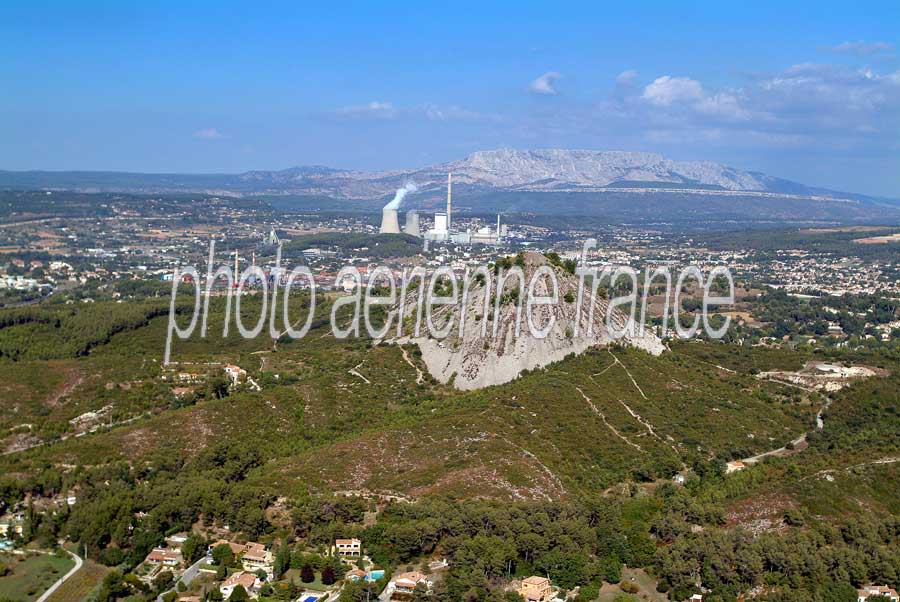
{"x": 475, "y": 360}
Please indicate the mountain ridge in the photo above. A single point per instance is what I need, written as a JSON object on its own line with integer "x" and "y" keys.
{"x": 540, "y": 170}
{"x": 617, "y": 186}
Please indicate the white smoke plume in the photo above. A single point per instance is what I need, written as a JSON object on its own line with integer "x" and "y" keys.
{"x": 401, "y": 194}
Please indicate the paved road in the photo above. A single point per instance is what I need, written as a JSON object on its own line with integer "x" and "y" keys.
{"x": 387, "y": 593}
{"x": 189, "y": 575}
{"x": 61, "y": 580}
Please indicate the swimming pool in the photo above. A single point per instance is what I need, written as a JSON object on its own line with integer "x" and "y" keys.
{"x": 375, "y": 575}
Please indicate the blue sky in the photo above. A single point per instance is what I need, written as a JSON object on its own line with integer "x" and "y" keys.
{"x": 809, "y": 92}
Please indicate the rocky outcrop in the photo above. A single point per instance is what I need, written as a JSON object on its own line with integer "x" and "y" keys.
{"x": 480, "y": 358}
{"x": 549, "y": 168}
{"x": 525, "y": 170}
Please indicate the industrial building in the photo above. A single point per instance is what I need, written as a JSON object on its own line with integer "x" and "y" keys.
{"x": 389, "y": 222}
{"x": 442, "y": 229}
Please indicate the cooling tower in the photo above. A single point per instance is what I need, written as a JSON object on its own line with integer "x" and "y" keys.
{"x": 389, "y": 222}
{"x": 411, "y": 226}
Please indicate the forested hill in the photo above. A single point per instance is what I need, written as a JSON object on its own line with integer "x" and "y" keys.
{"x": 566, "y": 471}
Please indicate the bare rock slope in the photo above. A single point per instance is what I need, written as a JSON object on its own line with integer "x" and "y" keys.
{"x": 490, "y": 352}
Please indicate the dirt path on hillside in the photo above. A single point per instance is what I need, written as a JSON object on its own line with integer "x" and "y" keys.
{"x": 75, "y": 435}
{"x": 355, "y": 372}
{"x": 602, "y": 416}
{"x": 652, "y": 430}
{"x": 73, "y": 379}
{"x": 420, "y": 377}
{"x": 618, "y": 361}
{"x": 550, "y": 474}
{"x": 263, "y": 358}
{"x": 829, "y": 471}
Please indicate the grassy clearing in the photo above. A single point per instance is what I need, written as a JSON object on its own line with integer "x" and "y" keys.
{"x": 30, "y": 575}
{"x": 294, "y": 575}
{"x": 646, "y": 584}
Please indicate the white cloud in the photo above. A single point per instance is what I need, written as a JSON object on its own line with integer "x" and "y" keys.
{"x": 546, "y": 83}
{"x": 208, "y": 134}
{"x": 805, "y": 106}
{"x": 431, "y": 112}
{"x": 861, "y": 48}
{"x": 627, "y": 77}
{"x": 725, "y": 105}
{"x": 834, "y": 97}
{"x": 376, "y": 108}
{"x": 832, "y": 105}
{"x": 449, "y": 113}
{"x": 667, "y": 90}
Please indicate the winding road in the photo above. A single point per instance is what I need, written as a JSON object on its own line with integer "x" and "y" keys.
{"x": 61, "y": 580}
{"x": 792, "y": 447}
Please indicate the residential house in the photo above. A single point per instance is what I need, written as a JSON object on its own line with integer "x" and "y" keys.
{"x": 868, "y": 591}
{"x": 7, "y": 528}
{"x": 734, "y": 466}
{"x": 247, "y": 580}
{"x": 696, "y": 598}
{"x": 253, "y": 556}
{"x": 405, "y": 583}
{"x": 257, "y": 557}
{"x": 236, "y": 548}
{"x": 235, "y": 373}
{"x": 167, "y": 557}
{"x": 348, "y": 547}
{"x": 356, "y": 575}
{"x": 535, "y": 589}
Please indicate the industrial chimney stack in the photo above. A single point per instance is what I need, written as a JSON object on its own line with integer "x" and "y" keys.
{"x": 449, "y": 197}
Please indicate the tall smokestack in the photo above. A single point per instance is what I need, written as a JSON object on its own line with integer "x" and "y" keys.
{"x": 449, "y": 197}
{"x": 411, "y": 226}
{"x": 389, "y": 222}
{"x": 237, "y": 276}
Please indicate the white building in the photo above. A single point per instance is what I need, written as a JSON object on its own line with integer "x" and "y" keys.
{"x": 247, "y": 580}
{"x": 869, "y": 591}
{"x": 441, "y": 229}
{"x": 348, "y": 547}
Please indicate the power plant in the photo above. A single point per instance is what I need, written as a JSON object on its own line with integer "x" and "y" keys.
{"x": 449, "y": 197}
{"x": 441, "y": 231}
{"x": 411, "y": 226}
{"x": 389, "y": 222}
